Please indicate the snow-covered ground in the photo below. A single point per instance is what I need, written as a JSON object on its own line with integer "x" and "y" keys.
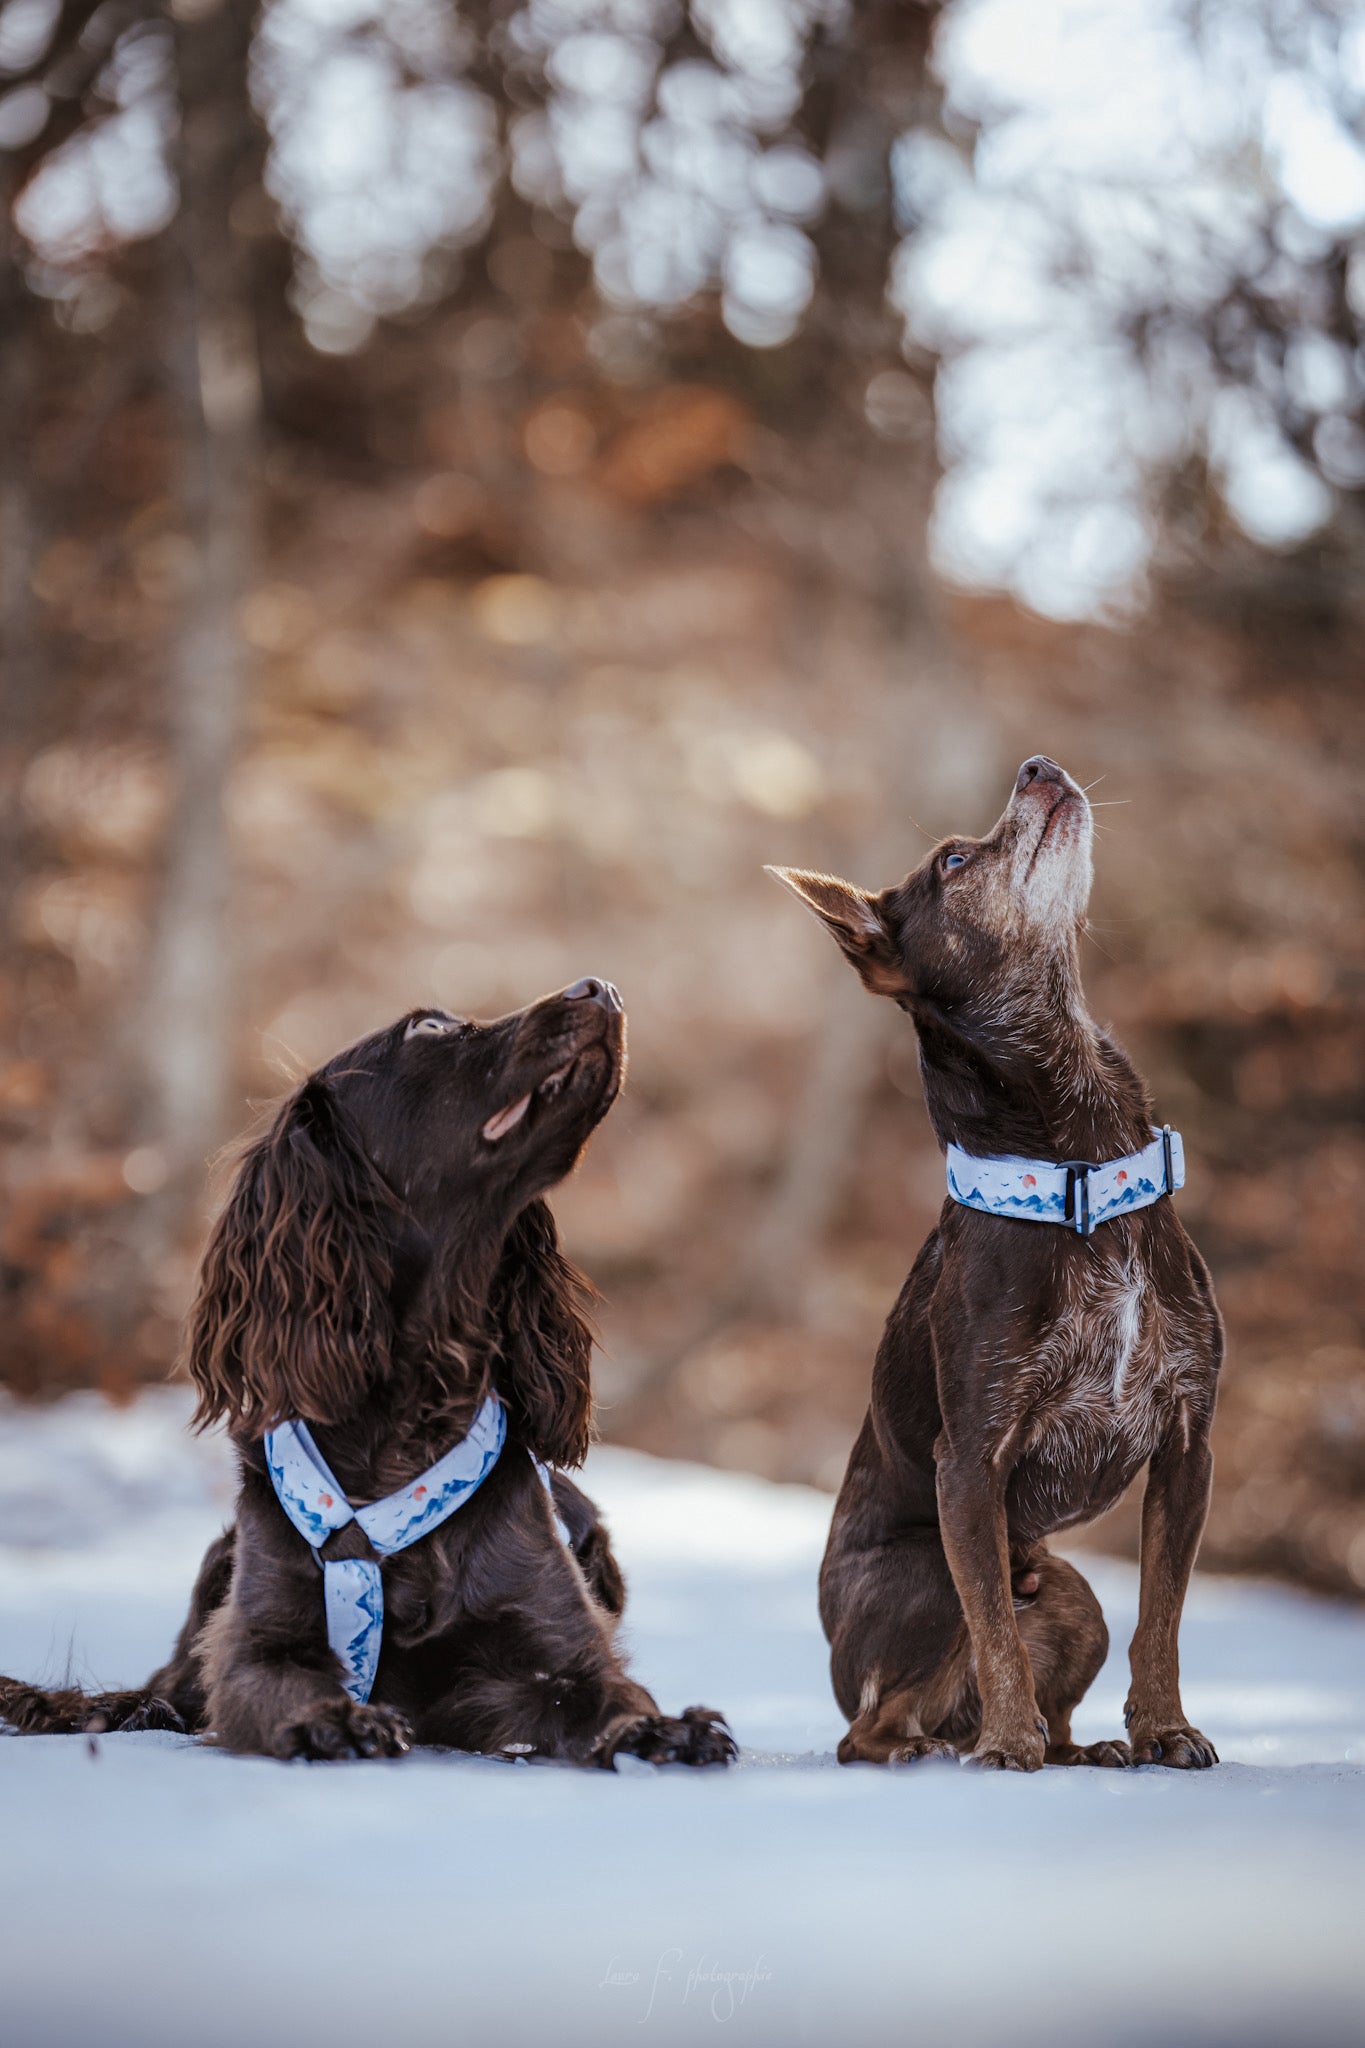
{"x": 154, "y": 1894}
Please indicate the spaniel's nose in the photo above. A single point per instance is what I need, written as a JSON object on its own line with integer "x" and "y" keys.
{"x": 1038, "y": 768}
{"x": 591, "y": 990}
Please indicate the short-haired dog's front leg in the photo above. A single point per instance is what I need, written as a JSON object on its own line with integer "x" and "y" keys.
{"x": 971, "y": 1508}
{"x": 1174, "y": 1508}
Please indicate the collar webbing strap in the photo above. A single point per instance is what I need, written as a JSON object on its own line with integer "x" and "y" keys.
{"x": 1076, "y": 1193}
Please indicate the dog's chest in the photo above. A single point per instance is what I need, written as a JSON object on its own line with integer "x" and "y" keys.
{"x": 1104, "y": 1383}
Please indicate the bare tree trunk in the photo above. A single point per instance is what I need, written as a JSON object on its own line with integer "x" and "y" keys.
{"x": 20, "y": 680}
{"x": 191, "y": 1013}
{"x": 863, "y": 96}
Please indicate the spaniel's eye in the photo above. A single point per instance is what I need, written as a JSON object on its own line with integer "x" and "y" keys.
{"x": 435, "y": 1026}
{"x": 951, "y": 861}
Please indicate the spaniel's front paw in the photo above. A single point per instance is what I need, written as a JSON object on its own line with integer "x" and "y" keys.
{"x": 344, "y": 1728}
{"x": 697, "y": 1736}
{"x": 153, "y": 1712}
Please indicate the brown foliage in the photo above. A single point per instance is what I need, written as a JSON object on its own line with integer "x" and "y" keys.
{"x": 544, "y": 655}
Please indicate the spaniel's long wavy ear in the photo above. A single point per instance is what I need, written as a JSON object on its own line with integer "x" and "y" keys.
{"x": 292, "y": 1314}
{"x": 538, "y": 1310}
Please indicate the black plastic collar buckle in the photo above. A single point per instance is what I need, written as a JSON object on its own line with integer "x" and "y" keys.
{"x": 1167, "y": 1159}
{"x": 1077, "y": 1204}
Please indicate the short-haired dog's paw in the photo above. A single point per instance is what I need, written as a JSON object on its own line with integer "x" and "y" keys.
{"x": 1109, "y": 1756}
{"x": 998, "y": 1751}
{"x": 916, "y": 1748}
{"x": 1179, "y": 1748}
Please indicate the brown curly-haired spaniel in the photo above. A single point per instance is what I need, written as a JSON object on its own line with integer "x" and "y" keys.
{"x": 386, "y": 1260}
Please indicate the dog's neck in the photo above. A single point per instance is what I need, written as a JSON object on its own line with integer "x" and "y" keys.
{"x": 439, "y": 1296}
{"x": 1027, "y": 1071}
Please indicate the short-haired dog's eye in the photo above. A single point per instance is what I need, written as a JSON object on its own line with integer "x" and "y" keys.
{"x": 951, "y": 861}
{"x": 435, "y": 1025}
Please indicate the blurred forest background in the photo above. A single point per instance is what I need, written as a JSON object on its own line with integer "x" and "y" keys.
{"x": 479, "y": 477}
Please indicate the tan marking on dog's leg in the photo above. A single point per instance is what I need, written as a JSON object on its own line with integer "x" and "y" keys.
{"x": 892, "y": 1733}
{"x": 904, "y": 1724}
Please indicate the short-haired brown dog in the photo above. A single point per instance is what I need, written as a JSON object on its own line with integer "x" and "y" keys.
{"x": 1027, "y": 1371}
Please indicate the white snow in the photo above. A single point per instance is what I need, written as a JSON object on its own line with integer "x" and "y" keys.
{"x": 155, "y": 1894}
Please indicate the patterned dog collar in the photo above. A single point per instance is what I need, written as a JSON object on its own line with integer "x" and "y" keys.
{"x": 1073, "y": 1192}
{"x": 353, "y": 1589}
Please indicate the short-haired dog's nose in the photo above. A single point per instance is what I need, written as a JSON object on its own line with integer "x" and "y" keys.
{"x": 591, "y": 990}
{"x": 1038, "y": 768}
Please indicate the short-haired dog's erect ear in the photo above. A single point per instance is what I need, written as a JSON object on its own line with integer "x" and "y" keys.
{"x": 855, "y": 919}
